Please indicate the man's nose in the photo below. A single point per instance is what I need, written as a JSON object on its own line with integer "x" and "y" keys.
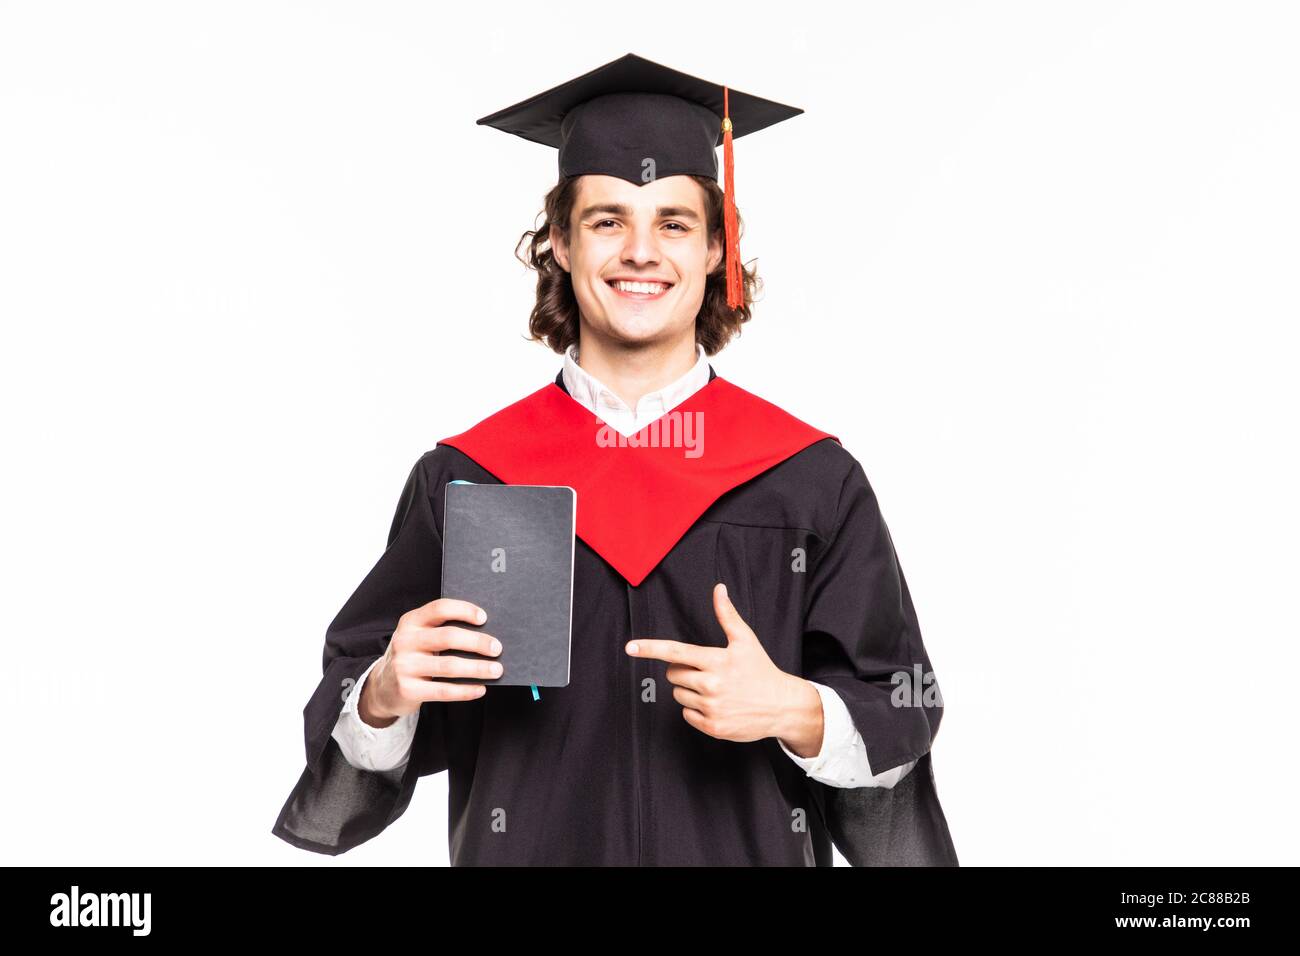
{"x": 641, "y": 246}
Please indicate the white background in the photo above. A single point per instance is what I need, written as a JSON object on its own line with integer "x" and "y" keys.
{"x": 1034, "y": 263}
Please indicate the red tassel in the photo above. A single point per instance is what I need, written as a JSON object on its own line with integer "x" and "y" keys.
{"x": 735, "y": 291}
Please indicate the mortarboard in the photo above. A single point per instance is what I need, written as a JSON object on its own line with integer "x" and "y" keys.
{"x": 640, "y": 121}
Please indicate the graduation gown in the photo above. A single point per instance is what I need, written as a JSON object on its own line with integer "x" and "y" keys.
{"x": 606, "y": 771}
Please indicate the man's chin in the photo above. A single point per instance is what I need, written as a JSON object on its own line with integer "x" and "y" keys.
{"x": 636, "y": 334}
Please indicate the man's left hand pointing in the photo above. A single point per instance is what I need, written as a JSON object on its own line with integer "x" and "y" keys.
{"x": 736, "y": 692}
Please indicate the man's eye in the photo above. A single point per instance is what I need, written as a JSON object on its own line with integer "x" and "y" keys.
{"x": 603, "y": 222}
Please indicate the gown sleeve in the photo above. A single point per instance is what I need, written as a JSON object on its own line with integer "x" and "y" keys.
{"x": 335, "y": 806}
{"x": 861, "y": 638}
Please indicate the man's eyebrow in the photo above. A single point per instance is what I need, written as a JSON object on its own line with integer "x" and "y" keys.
{"x": 618, "y": 209}
{"x": 677, "y": 212}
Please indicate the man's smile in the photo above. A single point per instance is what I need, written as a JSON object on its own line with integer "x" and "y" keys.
{"x": 639, "y": 290}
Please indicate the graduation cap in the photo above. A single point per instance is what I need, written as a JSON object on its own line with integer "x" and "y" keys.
{"x": 640, "y": 121}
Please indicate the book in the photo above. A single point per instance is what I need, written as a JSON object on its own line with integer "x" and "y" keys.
{"x": 509, "y": 549}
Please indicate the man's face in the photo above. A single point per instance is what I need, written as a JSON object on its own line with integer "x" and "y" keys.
{"x": 654, "y": 233}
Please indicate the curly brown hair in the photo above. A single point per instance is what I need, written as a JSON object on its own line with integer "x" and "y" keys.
{"x": 554, "y": 319}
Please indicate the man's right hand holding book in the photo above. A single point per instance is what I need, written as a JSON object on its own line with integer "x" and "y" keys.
{"x": 407, "y": 675}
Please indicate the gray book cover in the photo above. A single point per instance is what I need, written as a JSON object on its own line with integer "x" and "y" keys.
{"x": 509, "y": 549}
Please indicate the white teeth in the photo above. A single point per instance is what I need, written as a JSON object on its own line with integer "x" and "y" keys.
{"x": 650, "y": 288}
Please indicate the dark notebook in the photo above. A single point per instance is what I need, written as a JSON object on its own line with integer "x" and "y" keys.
{"x": 509, "y": 549}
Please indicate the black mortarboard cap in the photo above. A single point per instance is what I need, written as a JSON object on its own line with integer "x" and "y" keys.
{"x": 641, "y": 121}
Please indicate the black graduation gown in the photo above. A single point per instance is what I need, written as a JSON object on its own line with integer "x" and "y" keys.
{"x": 606, "y": 771}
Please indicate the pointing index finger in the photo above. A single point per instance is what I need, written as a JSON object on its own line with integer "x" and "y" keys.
{"x": 674, "y": 652}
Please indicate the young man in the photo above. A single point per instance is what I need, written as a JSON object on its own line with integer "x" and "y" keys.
{"x": 749, "y": 680}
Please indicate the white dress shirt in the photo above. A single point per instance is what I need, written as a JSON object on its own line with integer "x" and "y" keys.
{"x": 842, "y": 761}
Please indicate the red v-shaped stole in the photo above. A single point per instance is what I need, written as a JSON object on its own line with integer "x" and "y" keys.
{"x": 637, "y": 496}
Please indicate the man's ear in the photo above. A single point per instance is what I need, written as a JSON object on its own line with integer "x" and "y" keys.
{"x": 715, "y": 254}
{"x": 559, "y": 247}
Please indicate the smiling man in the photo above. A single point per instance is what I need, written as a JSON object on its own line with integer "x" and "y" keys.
{"x": 749, "y": 684}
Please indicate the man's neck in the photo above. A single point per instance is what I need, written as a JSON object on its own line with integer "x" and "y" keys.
{"x": 631, "y": 372}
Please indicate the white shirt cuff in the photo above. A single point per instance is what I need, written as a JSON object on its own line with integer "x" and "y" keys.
{"x": 372, "y": 748}
{"x": 842, "y": 761}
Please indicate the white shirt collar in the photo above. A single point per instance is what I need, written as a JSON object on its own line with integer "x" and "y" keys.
{"x": 597, "y": 398}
